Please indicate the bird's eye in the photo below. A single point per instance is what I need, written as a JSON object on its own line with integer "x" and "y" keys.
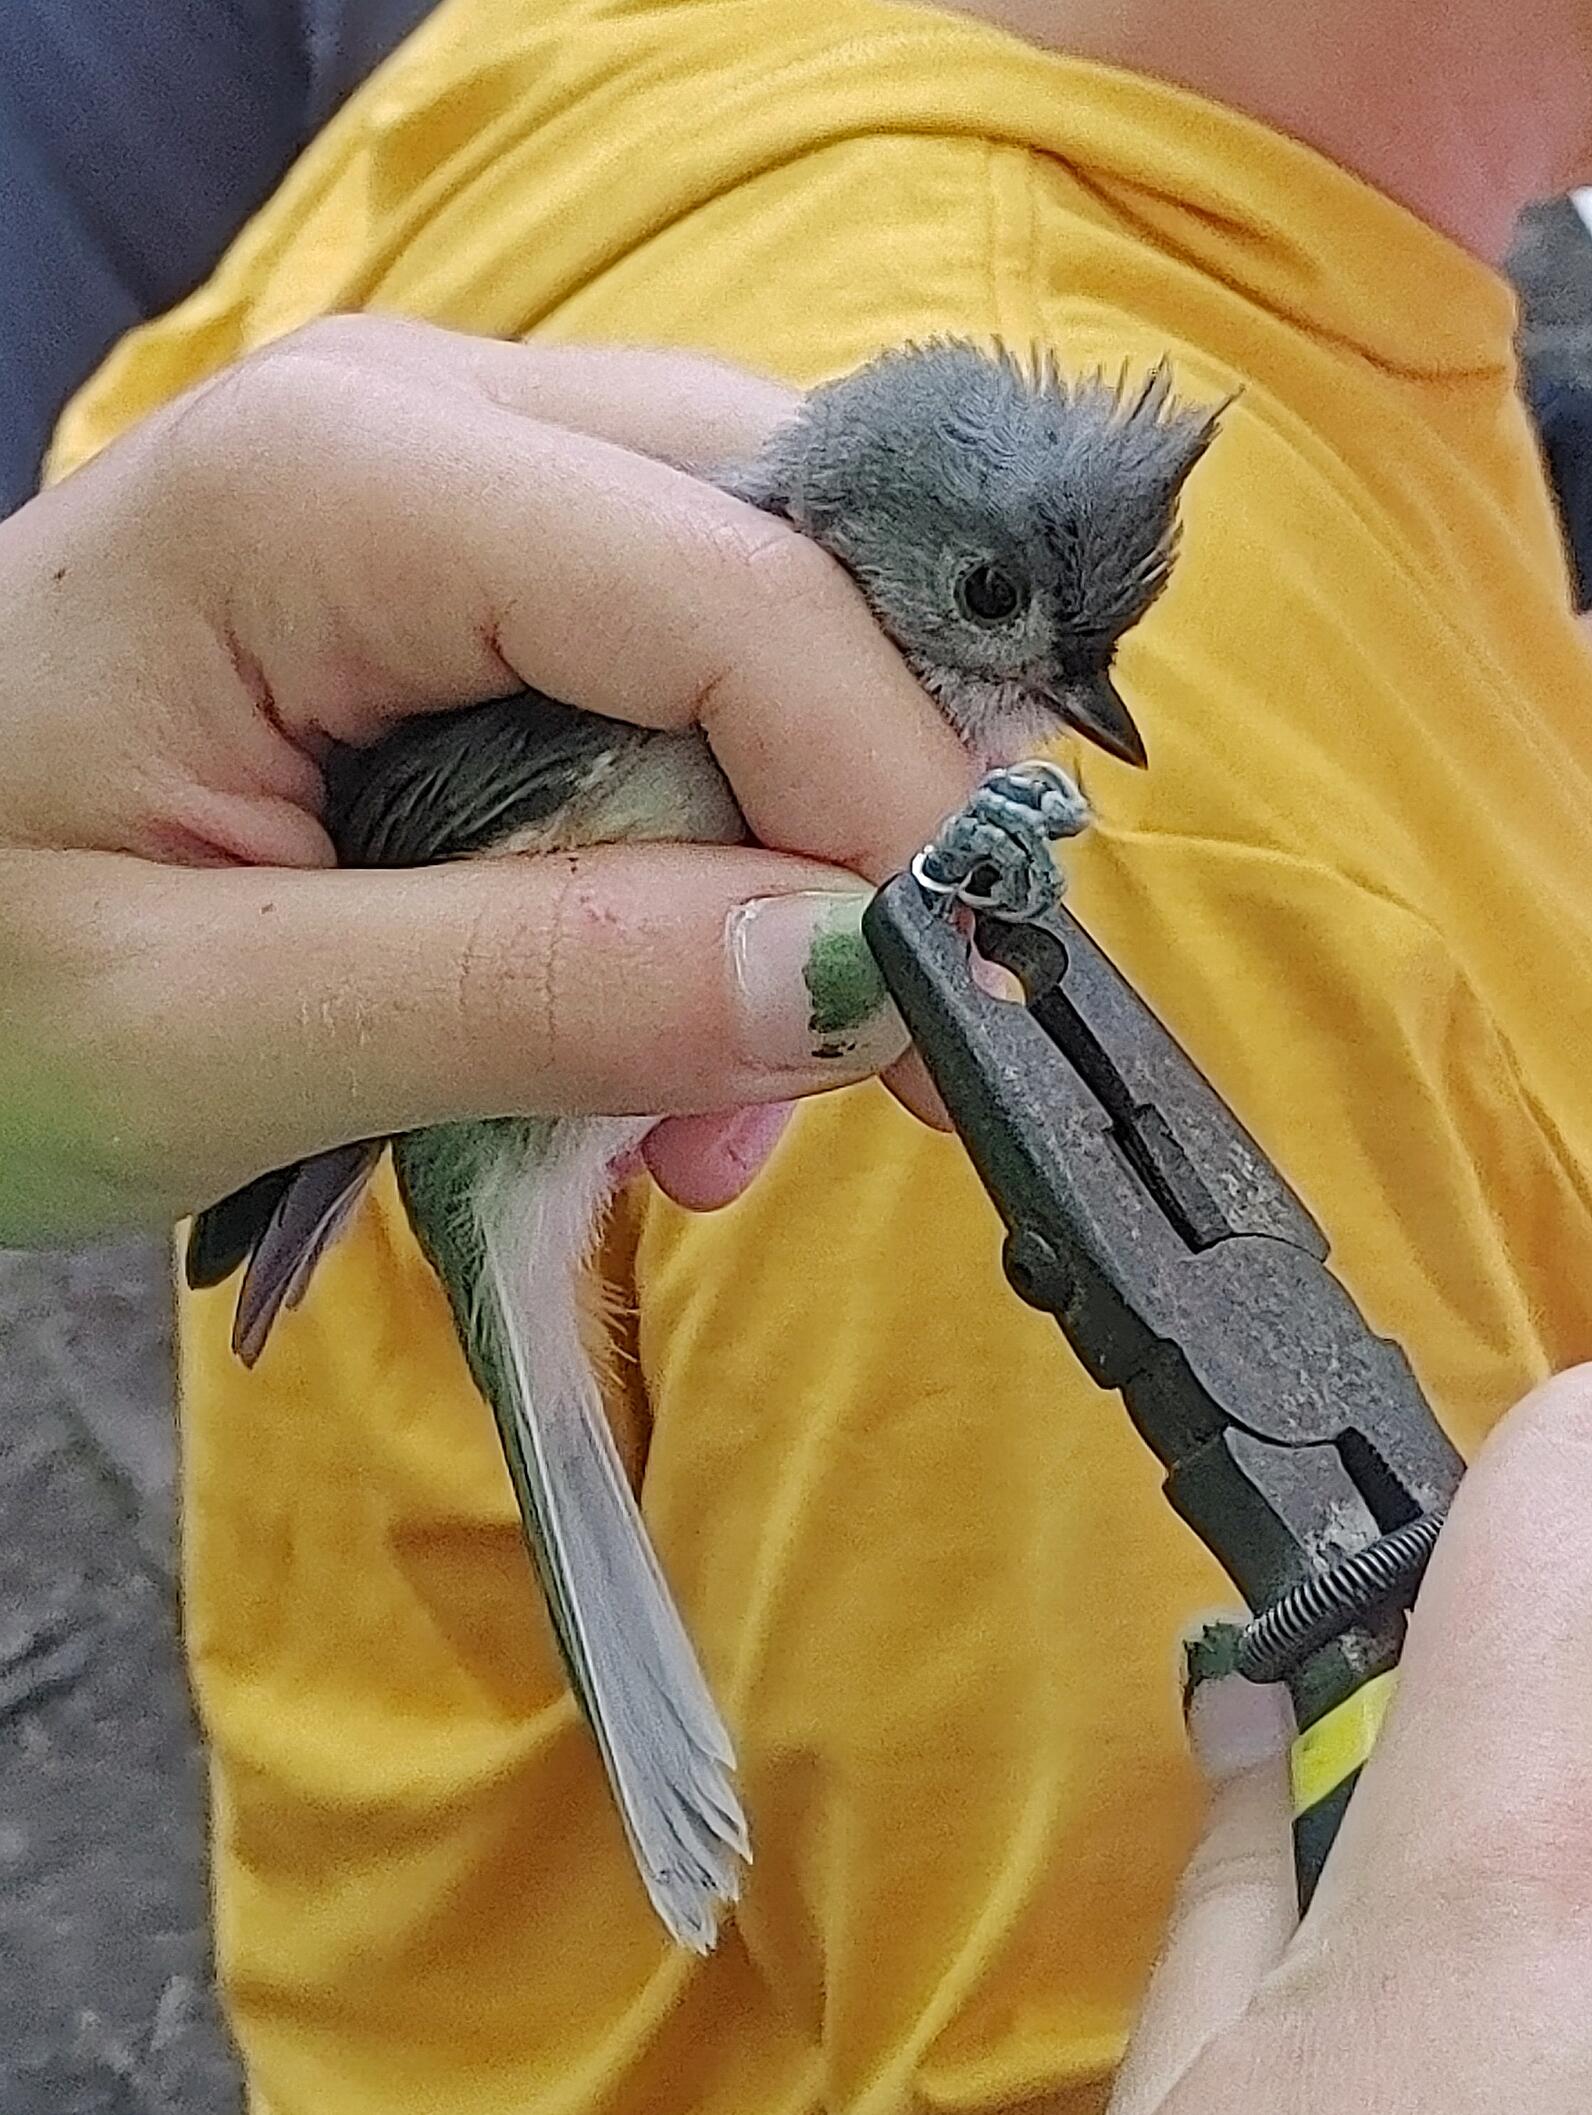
{"x": 989, "y": 594}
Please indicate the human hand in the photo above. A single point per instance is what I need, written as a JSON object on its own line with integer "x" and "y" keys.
{"x": 1446, "y": 1957}
{"x": 368, "y": 520}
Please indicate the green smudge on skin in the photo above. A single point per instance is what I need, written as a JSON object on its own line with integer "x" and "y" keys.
{"x": 844, "y": 987}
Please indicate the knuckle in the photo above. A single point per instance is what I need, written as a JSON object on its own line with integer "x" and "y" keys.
{"x": 363, "y": 341}
{"x": 769, "y": 590}
{"x": 524, "y": 972}
{"x": 776, "y": 574}
{"x": 281, "y": 431}
{"x": 232, "y": 434}
{"x": 502, "y": 989}
{"x": 337, "y": 341}
{"x": 1223, "y": 1876}
{"x": 283, "y": 407}
{"x": 282, "y": 395}
{"x": 587, "y": 951}
{"x": 559, "y": 993}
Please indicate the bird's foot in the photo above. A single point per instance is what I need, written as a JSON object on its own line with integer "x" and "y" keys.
{"x": 994, "y": 854}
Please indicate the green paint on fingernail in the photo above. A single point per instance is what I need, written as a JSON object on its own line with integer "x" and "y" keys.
{"x": 844, "y": 987}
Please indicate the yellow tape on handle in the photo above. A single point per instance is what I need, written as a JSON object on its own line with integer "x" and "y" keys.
{"x": 1337, "y": 1745}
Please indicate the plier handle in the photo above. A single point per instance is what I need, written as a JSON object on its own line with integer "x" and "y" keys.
{"x": 1187, "y": 1275}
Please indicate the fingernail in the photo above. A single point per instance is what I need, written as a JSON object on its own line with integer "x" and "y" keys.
{"x": 1235, "y": 1725}
{"x": 810, "y": 994}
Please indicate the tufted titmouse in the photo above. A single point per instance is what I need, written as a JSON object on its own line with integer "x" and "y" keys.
{"x": 1007, "y": 528}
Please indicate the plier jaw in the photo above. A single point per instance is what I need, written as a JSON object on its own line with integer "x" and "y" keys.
{"x": 1186, "y": 1274}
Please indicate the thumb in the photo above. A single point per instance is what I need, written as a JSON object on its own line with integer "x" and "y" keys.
{"x": 1500, "y": 1646}
{"x": 1237, "y": 1905}
{"x": 312, "y": 1008}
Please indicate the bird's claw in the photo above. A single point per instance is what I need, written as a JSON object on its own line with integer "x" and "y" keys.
{"x": 994, "y": 854}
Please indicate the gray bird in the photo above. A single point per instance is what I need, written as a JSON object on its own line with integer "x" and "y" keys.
{"x": 1007, "y": 528}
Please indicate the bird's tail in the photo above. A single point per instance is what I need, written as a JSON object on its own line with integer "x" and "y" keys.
{"x": 509, "y": 1212}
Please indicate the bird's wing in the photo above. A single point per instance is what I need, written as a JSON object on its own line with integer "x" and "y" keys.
{"x": 453, "y": 785}
{"x": 440, "y": 786}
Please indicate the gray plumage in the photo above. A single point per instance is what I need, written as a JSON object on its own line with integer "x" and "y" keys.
{"x": 1007, "y": 528}
{"x": 931, "y": 463}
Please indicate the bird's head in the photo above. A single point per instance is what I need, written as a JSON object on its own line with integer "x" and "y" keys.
{"x": 1007, "y": 527}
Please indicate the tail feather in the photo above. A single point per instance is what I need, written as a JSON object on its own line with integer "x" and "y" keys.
{"x": 278, "y": 1227}
{"x": 510, "y": 1211}
{"x": 306, "y": 1219}
{"x": 225, "y": 1235}
{"x": 662, "y": 1741}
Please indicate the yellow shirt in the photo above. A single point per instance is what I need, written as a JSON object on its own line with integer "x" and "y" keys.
{"x": 931, "y": 1572}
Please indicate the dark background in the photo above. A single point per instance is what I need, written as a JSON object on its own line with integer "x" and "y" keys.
{"x": 106, "y": 2002}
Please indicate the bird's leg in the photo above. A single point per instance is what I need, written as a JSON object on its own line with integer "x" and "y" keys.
{"x": 994, "y": 854}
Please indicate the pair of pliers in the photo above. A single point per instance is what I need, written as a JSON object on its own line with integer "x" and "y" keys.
{"x": 1187, "y": 1275}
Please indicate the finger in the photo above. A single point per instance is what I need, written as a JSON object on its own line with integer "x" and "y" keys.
{"x": 317, "y": 1007}
{"x": 683, "y": 408}
{"x": 1480, "y": 1783}
{"x": 529, "y": 553}
{"x": 1236, "y": 1906}
{"x": 911, "y": 1085}
{"x": 705, "y": 1162}
{"x": 910, "y": 1081}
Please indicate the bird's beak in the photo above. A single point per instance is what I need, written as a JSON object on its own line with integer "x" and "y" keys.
{"x": 1094, "y": 706}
